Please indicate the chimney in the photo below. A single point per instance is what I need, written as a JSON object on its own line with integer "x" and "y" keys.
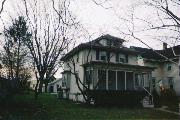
{"x": 164, "y": 46}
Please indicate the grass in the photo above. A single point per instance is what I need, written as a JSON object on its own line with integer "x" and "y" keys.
{"x": 47, "y": 107}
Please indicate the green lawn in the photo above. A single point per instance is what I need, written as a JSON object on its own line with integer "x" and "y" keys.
{"x": 47, "y": 107}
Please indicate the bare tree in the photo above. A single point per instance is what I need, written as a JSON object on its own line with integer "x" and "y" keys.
{"x": 165, "y": 20}
{"x": 53, "y": 28}
{"x": 2, "y": 6}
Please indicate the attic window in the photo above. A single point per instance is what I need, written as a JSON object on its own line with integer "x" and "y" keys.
{"x": 103, "y": 42}
{"x": 108, "y": 42}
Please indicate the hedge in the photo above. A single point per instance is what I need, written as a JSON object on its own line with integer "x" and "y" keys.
{"x": 117, "y": 98}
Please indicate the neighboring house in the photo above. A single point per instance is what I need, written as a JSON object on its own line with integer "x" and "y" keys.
{"x": 167, "y": 72}
{"x": 54, "y": 85}
{"x": 107, "y": 65}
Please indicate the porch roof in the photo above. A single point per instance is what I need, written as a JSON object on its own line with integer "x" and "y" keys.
{"x": 119, "y": 65}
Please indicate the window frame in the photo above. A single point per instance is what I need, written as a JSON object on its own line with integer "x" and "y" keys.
{"x": 90, "y": 76}
{"x": 171, "y": 82}
{"x": 169, "y": 67}
{"x": 121, "y": 59}
{"x": 103, "y": 54}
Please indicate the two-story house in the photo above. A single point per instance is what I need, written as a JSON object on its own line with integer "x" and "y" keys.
{"x": 167, "y": 73}
{"x": 107, "y": 65}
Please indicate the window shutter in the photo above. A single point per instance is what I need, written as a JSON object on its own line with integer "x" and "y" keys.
{"x": 117, "y": 57}
{"x": 126, "y": 58}
{"x": 97, "y": 54}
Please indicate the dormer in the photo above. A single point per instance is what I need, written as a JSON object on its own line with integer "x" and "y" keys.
{"x": 110, "y": 41}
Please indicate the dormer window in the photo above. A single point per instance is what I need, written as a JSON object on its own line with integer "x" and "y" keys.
{"x": 103, "y": 42}
{"x": 121, "y": 58}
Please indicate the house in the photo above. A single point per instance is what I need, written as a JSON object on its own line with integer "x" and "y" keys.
{"x": 105, "y": 64}
{"x": 167, "y": 72}
{"x": 54, "y": 85}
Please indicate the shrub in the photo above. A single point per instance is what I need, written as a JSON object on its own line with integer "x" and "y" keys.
{"x": 156, "y": 99}
{"x": 117, "y": 98}
{"x": 169, "y": 98}
{"x": 6, "y": 92}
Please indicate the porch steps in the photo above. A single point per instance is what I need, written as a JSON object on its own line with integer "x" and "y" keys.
{"x": 146, "y": 103}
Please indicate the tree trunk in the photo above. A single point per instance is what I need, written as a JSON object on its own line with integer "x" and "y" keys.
{"x": 40, "y": 87}
{"x": 46, "y": 85}
{"x": 36, "y": 90}
{"x": 36, "y": 94}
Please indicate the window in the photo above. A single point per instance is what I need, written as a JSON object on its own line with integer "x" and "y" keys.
{"x": 77, "y": 57}
{"x": 102, "y": 79}
{"x": 103, "y": 56}
{"x": 63, "y": 82}
{"x": 108, "y": 42}
{"x": 142, "y": 79}
{"x": 111, "y": 80}
{"x": 122, "y": 58}
{"x": 88, "y": 76}
{"x": 170, "y": 82}
{"x": 169, "y": 67}
{"x": 103, "y": 42}
{"x": 153, "y": 82}
{"x": 139, "y": 80}
{"x": 68, "y": 80}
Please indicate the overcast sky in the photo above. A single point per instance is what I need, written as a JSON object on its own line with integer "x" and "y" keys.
{"x": 106, "y": 19}
{"x": 99, "y": 20}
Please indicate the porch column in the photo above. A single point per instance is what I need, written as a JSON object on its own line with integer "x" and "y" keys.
{"x": 116, "y": 79}
{"x": 125, "y": 80}
{"x": 106, "y": 79}
{"x": 150, "y": 81}
{"x": 134, "y": 80}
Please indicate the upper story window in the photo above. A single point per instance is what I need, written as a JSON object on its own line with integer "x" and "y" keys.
{"x": 109, "y": 42}
{"x": 103, "y": 42}
{"x": 169, "y": 67}
{"x": 77, "y": 59}
{"x": 102, "y": 55}
{"x": 122, "y": 58}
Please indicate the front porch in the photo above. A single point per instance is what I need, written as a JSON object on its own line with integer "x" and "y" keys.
{"x": 111, "y": 76}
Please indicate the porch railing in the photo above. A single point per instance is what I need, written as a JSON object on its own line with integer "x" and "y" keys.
{"x": 149, "y": 94}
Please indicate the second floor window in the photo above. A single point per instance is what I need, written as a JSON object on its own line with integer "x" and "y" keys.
{"x": 121, "y": 58}
{"x": 101, "y": 55}
{"x": 169, "y": 67}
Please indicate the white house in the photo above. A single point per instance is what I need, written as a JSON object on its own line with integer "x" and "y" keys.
{"x": 107, "y": 65}
{"x": 167, "y": 72}
{"x": 54, "y": 85}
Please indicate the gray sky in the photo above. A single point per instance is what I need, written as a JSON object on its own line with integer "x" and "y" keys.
{"x": 99, "y": 20}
